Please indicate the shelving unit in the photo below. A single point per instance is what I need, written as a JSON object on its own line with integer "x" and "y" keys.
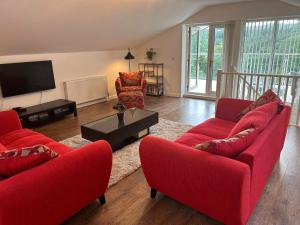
{"x": 154, "y": 74}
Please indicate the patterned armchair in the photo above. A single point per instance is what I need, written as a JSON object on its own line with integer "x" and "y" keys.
{"x": 131, "y": 88}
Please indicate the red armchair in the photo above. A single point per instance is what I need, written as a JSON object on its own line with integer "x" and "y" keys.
{"x": 131, "y": 88}
{"x": 226, "y": 189}
{"x": 52, "y": 192}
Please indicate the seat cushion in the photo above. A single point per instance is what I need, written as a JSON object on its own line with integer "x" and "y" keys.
{"x": 27, "y": 138}
{"x": 232, "y": 146}
{"x": 132, "y": 88}
{"x": 215, "y": 127}
{"x": 257, "y": 118}
{"x": 191, "y": 139}
{"x": 132, "y": 99}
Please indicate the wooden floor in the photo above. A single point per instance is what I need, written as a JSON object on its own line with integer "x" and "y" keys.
{"x": 128, "y": 201}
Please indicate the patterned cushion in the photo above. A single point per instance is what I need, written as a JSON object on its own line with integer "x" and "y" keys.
{"x": 232, "y": 146}
{"x": 17, "y": 160}
{"x": 132, "y": 99}
{"x": 131, "y": 78}
{"x": 268, "y": 96}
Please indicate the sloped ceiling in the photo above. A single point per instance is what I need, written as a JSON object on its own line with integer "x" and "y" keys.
{"x": 43, "y": 26}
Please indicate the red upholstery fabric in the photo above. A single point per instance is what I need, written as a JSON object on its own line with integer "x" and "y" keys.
{"x": 258, "y": 118}
{"x": 9, "y": 121}
{"x": 215, "y": 127}
{"x": 26, "y": 138}
{"x": 214, "y": 185}
{"x": 131, "y": 95}
{"x": 2, "y": 147}
{"x": 191, "y": 139}
{"x": 268, "y": 96}
{"x": 54, "y": 191}
{"x": 132, "y": 99}
{"x": 131, "y": 78}
{"x": 225, "y": 189}
{"x": 230, "y": 110}
{"x": 263, "y": 154}
{"x": 231, "y": 146}
{"x": 15, "y": 161}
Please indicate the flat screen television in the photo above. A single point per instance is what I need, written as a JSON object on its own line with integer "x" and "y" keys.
{"x": 26, "y": 77}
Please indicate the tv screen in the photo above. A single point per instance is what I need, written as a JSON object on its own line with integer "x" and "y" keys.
{"x": 26, "y": 77}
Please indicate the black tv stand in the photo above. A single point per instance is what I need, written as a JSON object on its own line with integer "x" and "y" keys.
{"x": 48, "y": 112}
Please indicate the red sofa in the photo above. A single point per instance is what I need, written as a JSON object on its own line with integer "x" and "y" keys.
{"x": 51, "y": 192}
{"x": 226, "y": 189}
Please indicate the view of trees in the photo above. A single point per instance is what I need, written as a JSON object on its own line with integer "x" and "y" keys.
{"x": 271, "y": 46}
{"x": 199, "y": 51}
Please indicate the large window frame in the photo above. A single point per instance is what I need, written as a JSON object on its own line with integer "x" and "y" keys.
{"x": 277, "y": 62}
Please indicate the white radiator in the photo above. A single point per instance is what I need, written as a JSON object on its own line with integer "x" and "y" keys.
{"x": 86, "y": 90}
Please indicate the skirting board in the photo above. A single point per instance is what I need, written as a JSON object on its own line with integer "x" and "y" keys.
{"x": 91, "y": 102}
{"x": 173, "y": 94}
{"x": 111, "y": 97}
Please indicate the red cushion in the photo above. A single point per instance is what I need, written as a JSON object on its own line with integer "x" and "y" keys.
{"x": 131, "y": 78}
{"x": 25, "y": 137}
{"x": 232, "y": 146}
{"x": 258, "y": 118}
{"x": 215, "y": 127}
{"x": 268, "y": 96}
{"x": 191, "y": 139}
{"x": 18, "y": 160}
{"x": 2, "y": 147}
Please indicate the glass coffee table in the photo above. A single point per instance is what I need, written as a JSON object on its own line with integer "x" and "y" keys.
{"x": 135, "y": 125}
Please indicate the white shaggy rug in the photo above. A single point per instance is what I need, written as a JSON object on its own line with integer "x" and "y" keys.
{"x": 126, "y": 160}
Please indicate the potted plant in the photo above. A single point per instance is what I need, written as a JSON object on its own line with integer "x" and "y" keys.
{"x": 121, "y": 109}
{"x": 150, "y": 53}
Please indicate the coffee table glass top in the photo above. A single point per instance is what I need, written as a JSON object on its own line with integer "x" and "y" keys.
{"x": 111, "y": 123}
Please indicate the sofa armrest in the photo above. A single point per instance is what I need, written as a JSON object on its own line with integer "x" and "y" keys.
{"x": 9, "y": 121}
{"x": 144, "y": 85}
{"x": 214, "y": 185}
{"x": 118, "y": 85}
{"x": 50, "y": 193}
{"x": 229, "y": 108}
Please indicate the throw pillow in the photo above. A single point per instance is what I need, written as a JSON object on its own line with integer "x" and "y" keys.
{"x": 131, "y": 78}
{"x": 17, "y": 160}
{"x": 268, "y": 96}
{"x": 257, "y": 118}
{"x": 232, "y": 146}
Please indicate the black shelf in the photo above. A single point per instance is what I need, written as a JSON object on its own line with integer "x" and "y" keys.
{"x": 48, "y": 112}
{"x": 154, "y": 75}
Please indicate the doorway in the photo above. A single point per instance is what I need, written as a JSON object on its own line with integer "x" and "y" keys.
{"x": 205, "y": 57}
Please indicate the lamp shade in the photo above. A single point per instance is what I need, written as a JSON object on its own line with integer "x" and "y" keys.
{"x": 129, "y": 55}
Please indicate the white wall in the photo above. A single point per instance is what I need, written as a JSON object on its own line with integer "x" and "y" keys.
{"x": 68, "y": 66}
{"x": 169, "y": 43}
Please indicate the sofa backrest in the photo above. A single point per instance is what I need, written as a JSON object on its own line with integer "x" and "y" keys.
{"x": 262, "y": 155}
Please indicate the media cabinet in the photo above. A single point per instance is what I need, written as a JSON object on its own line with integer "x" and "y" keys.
{"x": 37, "y": 115}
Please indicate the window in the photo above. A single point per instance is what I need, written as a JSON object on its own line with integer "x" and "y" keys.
{"x": 271, "y": 46}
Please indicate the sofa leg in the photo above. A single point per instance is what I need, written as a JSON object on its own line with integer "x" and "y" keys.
{"x": 153, "y": 193}
{"x": 102, "y": 199}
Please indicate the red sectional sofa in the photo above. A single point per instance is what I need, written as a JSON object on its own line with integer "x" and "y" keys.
{"x": 226, "y": 189}
{"x": 50, "y": 193}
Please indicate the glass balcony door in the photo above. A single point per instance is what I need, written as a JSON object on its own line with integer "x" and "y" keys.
{"x": 205, "y": 57}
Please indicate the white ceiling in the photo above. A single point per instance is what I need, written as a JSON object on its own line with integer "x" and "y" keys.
{"x": 42, "y": 26}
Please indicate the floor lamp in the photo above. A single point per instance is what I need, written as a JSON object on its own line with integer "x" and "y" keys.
{"x": 128, "y": 57}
